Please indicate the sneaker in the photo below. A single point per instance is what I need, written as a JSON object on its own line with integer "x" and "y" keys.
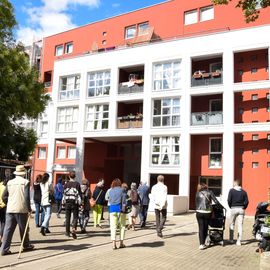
{"x": 4, "y": 253}
{"x": 28, "y": 248}
{"x": 201, "y": 247}
{"x": 159, "y": 234}
{"x": 74, "y": 235}
{"x": 47, "y": 230}
{"x": 238, "y": 243}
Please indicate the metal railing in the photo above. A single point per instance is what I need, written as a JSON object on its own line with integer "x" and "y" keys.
{"x": 202, "y": 81}
{"x": 129, "y": 123}
{"x": 206, "y": 118}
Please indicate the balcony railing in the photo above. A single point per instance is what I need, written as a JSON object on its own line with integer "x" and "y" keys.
{"x": 206, "y": 118}
{"x": 128, "y": 122}
{"x": 207, "y": 79}
{"x": 128, "y": 88}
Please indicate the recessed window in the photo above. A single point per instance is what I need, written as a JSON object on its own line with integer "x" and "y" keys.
{"x": 254, "y": 97}
{"x": 268, "y": 164}
{"x": 267, "y": 69}
{"x": 104, "y": 34}
{"x": 255, "y": 165}
{"x": 165, "y": 150}
{"x": 71, "y": 152}
{"x": 191, "y": 17}
{"x": 44, "y": 129}
{"x": 255, "y": 151}
{"x": 258, "y": 5}
{"x": 61, "y": 152}
{"x": 268, "y": 136}
{"x": 97, "y": 117}
{"x": 69, "y": 87}
{"x": 167, "y": 75}
{"x": 67, "y": 119}
{"x": 254, "y": 70}
{"x": 143, "y": 28}
{"x": 104, "y": 42}
{"x": 215, "y": 152}
{"x": 59, "y": 50}
{"x": 130, "y": 32}
{"x": 240, "y": 72}
{"x": 255, "y": 137}
{"x": 268, "y": 150}
{"x": 213, "y": 183}
{"x": 254, "y": 110}
{"x": 268, "y": 96}
{"x": 69, "y": 47}
{"x": 268, "y": 109}
{"x": 206, "y": 13}
{"x": 42, "y": 152}
{"x": 166, "y": 112}
{"x": 99, "y": 83}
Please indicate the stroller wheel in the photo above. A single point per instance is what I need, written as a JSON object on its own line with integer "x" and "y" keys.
{"x": 221, "y": 243}
{"x": 207, "y": 241}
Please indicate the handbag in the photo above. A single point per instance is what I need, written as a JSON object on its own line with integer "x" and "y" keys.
{"x": 93, "y": 201}
{"x": 211, "y": 208}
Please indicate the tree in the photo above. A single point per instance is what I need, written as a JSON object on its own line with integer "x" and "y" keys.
{"x": 250, "y": 7}
{"x": 21, "y": 94}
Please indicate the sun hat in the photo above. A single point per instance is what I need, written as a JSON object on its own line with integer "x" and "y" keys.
{"x": 20, "y": 170}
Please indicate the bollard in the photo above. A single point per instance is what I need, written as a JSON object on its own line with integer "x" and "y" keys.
{"x": 265, "y": 261}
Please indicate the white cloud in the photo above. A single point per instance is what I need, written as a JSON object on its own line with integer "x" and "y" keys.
{"x": 50, "y": 18}
{"x": 115, "y": 5}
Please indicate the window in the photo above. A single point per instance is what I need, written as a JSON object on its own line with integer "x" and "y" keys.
{"x": 59, "y": 50}
{"x": 215, "y": 105}
{"x": 61, "y": 152}
{"x": 42, "y": 152}
{"x": 97, "y": 117}
{"x": 67, "y": 119}
{"x": 165, "y": 150}
{"x": 215, "y": 66}
{"x": 104, "y": 34}
{"x": 104, "y": 42}
{"x": 130, "y": 32}
{"x": 255, "y": 137}
{"x": 258, "y": 4}
{"x": 215, "y": 152}
{"x": 69, "y": 87}
{"x": 255, "y": 151}
{"x": 167, "y": 75}
{"x": 69, "y": 47}
{"x": 143, "y": 28}
{"x": 213, "y": 183}
{"x": 166, "y": 112}
{"x": 268, "y": 151}
{"x": 255, "y": 165}
{"x": 268, "y": 96}
{"x": 254, "y": 109}
{"x": 254, "y": 70}
{"x": 44, "y": 129}
{"x": 99, "y": 83}
{"x": 254, "y": 97}
{"x": 268, "y": 164}
{"x": 268, "y": 137}
{"x": 191, "y": 17}
{"x": 71, "y": 152}
{"x": 206, "y": 13}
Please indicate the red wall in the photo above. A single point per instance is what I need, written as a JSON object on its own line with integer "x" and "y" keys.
{"x": 39, "y": 165}
{"x": 255, "y": 181}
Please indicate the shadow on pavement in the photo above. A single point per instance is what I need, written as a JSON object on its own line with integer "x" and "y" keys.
{"x": 67, "y": 247}
{"x": 178, "y": 234}
{"x": 148, "y": 244}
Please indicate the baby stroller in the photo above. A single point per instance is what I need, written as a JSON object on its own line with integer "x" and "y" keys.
{"x": 261, "y": 227}
{"x": 216, "y": 226}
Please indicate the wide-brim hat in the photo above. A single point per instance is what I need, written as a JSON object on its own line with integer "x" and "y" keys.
{"x": 20, "y": 170}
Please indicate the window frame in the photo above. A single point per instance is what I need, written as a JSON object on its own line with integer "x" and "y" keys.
{"x": 42, "y": 133}
{"x": 67, "y": 45}
{"x": 142, "y": 32}
{"x": 206, "y": 179}
{"x": 193, "y": 11}
{"x": 44, "y": 154}
{"x": 210, "y": 162}
{"x": 202, "y": 9}
{"x": 60, "y": 46}
{"x": 171, "y": 115}
{"x": 127, "y": 28}
{"x": 69, "y": 156}
{"x": 61, "y": 149}
{"x": 69, "y": 93}
{"x": 95, "y": 119}
{"x": 159, "y": 80}
{"x": 70, "y": 119}
{"x": 173, "y": 154}
{"x": 104, "y": 88}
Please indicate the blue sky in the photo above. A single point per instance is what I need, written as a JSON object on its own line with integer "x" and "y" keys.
{"x": 39, "y": 18}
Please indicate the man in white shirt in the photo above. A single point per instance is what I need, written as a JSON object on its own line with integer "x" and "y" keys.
{"x": 159, "y": 196}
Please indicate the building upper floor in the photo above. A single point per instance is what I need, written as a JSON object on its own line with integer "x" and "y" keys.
{"x": 172, "y": 19}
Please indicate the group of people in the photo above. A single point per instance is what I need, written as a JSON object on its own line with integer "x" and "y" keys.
{"x": 76, "y": 199}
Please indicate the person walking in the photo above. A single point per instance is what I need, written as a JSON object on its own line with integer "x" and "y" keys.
{"x": 159, "y": 196}
{"x": 133, "y": 194}
{"x": 2, "y": 209}
{"x": 99, "y": 197}
{"x": 58, "y": 195}
{"x": 17, "y": 198}
{"x": 39, "y": 214}
{"x": 117, "y": 198}
{"x": 204, "y": 200}
{"x": 85, "y": 205}
{"x": 238, "y": 202}
{"x": 72, "y": 200}
{"x": 143, "y": 192}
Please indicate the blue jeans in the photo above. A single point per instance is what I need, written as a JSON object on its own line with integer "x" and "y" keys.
{"x": 39, "y": 214}
{"x": 143, "y": 214}
{"x": 47, "y": 215}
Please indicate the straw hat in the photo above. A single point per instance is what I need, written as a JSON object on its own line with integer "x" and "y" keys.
{"x": 20, "y": 170}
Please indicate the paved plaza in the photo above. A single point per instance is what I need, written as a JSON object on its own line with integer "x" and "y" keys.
{"x": 144, "y": 250}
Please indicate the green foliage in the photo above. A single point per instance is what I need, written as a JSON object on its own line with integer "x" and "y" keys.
{"x": 21, "y": 94}
{"x": 249, "y": 7}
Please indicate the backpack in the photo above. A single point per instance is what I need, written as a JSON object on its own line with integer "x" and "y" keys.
{"x": 134, "y": 197}
{"x": 58, "y": 192}
{"x": 126, "y": 207}
{"x": 71, "y": 195}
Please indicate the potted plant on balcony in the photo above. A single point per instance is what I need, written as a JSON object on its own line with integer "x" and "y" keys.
{"x": 123, "y": 122}
{"x": 216, "y": 73}
{"x": 138, "y": 121}
{"x": 197, "y": 74}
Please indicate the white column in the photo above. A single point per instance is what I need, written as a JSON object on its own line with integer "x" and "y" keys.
{"x": 146, "y": 138}
{"x": 113, "y": 99}
{"x": 79, "y": 158}
{"x": 228, "y": 122}
{"x": 184, "y": 183}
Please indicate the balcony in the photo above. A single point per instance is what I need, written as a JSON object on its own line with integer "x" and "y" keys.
{"x": 206, "y": 118}
{"x": 202, "y": 78}
{"x": 129, "y": 121}
{"x": 131, "y": 87}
